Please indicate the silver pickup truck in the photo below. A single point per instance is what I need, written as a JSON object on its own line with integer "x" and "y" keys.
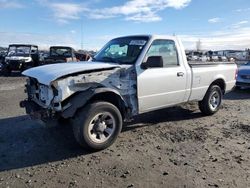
{"x": 129, "y": 76}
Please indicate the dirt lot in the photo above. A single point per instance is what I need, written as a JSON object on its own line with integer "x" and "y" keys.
{"x": 176, "y": 147}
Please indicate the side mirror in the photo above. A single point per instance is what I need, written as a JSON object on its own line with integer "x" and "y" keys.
{"x": 153, "y": 62}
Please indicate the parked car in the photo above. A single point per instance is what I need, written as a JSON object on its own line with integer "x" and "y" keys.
{"x": 43, "y": 56}
{"x": 243, "y": 77}
{"x": 82, "y": 56}
{"x": 60, "y": 54}
{"x": 20, "y": 57}
{"x": 194, "y": 56}
{"x": 214, "y": 58}
{"x": 3, "y": 54}
{"x": 203, "y": 58}
{"x": 222, "y": 58}
{"x": 2, "y": 58}
{"x": 129, "y": 76}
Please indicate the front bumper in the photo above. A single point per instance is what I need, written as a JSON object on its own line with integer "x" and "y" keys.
{"x": 15, "y": 65}
{"x": 35, "y": 111}
{"x": 243, "y": 81}
{"x": 242, "y": 84}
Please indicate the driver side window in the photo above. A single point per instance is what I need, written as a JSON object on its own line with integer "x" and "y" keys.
{"x": 167, "y": 50}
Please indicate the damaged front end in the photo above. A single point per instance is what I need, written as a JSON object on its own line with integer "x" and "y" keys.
{"x": 38, "y": 103}
{"x": 65, "y": 95}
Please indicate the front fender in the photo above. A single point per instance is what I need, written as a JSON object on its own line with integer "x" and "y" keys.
{"x": 80, "y": 99}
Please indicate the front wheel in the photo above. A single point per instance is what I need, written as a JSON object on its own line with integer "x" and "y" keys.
{"x": 212, "y": 100}
{"x": 97, "y": 125}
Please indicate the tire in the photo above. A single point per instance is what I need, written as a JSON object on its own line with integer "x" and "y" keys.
{"x": 212, "y": 101}
{"x": 97, "y": 125}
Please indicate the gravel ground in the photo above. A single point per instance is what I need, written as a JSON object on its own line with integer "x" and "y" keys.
{"x": 175, "y": 147}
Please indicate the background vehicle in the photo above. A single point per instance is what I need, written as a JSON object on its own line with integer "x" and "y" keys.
{"x": 62, "y": 54}
{"x": 2, "y": 58}
{"x": 214, "y": 58}
{"x": 194, "y": 56}
{"x": 82, "y": 56}
{"x": 20, "y": 57}
{"x": 203, "y": 58}
{"x": 43, "y": 55}
{"x": 243, "y": 78}
{"x": 129, "y": 76}
{"x": 222, "y": 58}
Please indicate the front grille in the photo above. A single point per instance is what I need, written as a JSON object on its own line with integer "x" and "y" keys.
{"x": 15, "y": 64}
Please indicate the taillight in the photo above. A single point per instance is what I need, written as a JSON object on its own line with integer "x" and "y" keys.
{"x": 236, "y": 74}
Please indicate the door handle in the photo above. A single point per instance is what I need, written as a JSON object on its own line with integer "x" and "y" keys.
{"x": 180, "y": 74}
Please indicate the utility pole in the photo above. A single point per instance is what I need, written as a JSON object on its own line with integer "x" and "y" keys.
{"x": 81, "y": 34}
{"x": 198, "y": 45}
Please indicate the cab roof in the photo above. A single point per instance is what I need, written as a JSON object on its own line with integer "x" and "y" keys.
{"x": 26, "y": 45}
{"x": 151, "y": 36}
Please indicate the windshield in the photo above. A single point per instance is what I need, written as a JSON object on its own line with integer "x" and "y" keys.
{"x": 65, "y": 52}
{"x": 19, "y": 51}
{"x": 122, "y": 50}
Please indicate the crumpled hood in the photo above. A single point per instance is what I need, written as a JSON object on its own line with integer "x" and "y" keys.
{"x": 48, "y": 73}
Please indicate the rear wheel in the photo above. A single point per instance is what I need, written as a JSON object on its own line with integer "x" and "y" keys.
{"x": 97, "y": 125}
{"x": 212, "y": 101}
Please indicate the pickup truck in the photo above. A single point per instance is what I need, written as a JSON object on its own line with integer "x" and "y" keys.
{"x": 60, "y": 54}
{"x": 128, "y": 76}
{"x": 63, "y": 54}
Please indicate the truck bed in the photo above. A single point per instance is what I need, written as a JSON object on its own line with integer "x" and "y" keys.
{"x": 204, "y": 73}
{"x": 208, "y": 63}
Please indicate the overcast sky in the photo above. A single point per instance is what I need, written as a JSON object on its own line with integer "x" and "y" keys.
{"x": 219, "y": 24}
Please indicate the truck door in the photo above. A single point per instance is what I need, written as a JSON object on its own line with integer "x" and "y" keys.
{"x": 164, "y": 86}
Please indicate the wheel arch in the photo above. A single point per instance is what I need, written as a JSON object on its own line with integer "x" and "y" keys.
{"x": 221, "y": 83}
{"x": 83, "y": 98}
{"x": 113, "y": 97}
